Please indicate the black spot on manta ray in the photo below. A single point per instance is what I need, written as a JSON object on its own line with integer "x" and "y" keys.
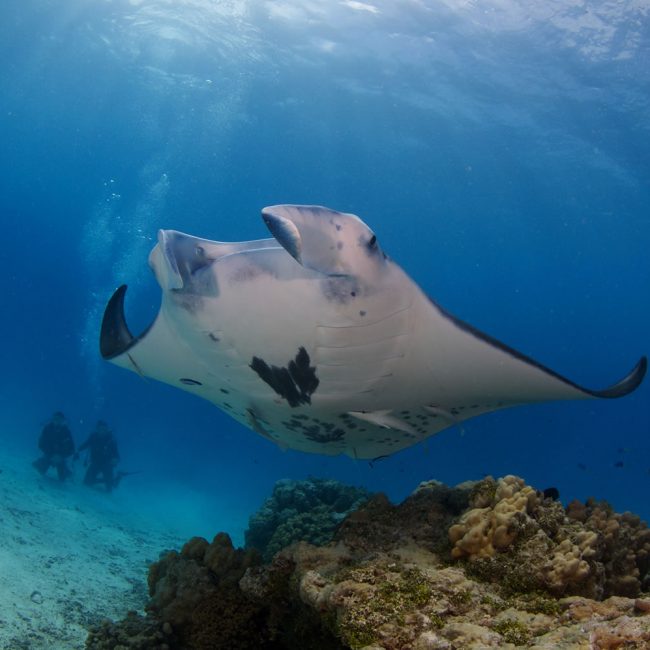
{"x": 339, "y": 289}
{"x": 331, "y": 436}
{"x": 296, "y": 383}
{"x": 190, "y": 382}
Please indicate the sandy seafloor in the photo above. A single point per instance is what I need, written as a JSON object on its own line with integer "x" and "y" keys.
{"x": 71, "y": 556}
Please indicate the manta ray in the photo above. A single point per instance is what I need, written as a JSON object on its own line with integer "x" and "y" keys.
{"x": 318, "y": 341}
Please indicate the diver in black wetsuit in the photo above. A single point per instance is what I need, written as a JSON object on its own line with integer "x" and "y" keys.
{"x": 103, "y": 457}
{"x": 57, "y": 445}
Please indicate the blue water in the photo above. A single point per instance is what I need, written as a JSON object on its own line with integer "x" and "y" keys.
{"x": 500, "y": 152}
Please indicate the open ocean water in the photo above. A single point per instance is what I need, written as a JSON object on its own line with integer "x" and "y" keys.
{"x": 500, "y": 151}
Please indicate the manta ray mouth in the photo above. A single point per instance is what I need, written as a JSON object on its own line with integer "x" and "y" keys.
{"x": 177, "y": 260}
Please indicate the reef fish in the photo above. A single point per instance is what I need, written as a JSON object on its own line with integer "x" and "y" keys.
{"x": 318, "y": 341}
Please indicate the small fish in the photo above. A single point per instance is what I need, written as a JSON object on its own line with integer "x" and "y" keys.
{"x": 618, "y": 463}
{"x": 582, "y": 466}
{"x": 551, "y": 493}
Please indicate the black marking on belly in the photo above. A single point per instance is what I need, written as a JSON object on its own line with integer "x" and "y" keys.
{"x": 296, "y": 383}
{"x": 339, "y": 289}
{"x": 323, "y": 438}
{"x": 190, "y": 382}
{"x": 315, "y": 429}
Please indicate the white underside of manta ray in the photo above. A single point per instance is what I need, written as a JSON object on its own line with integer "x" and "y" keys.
{"x": 316, "y": 340}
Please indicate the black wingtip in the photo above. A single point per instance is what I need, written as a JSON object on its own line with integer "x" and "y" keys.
{"x": 628, "y": 384}
{"x": 115, "y": 337}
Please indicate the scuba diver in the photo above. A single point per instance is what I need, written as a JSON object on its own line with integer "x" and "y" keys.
{"x": 103, "y": 457}
{"x": 57, "y": 445}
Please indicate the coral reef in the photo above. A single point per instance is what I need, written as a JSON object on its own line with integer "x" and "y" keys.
{"x": 196, "y": 604}
{"x": 623, "y": 545}
{"x": 308, "y": 510}
{"x": 492, "y": 564}
{"x": 513, "y": 535}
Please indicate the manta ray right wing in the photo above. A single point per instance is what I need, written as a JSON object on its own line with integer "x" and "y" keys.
{"x": 473, "y": 368}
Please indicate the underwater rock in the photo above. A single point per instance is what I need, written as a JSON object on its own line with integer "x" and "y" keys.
{"x": 308, "y": 510}
{"x": 134, "y": 632}
{"x": 195, "y": 603}
{"x": 528, "y": 574}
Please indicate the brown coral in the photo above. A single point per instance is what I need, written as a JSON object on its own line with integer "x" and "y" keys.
{"x": 515, "y": 536}
{"x": 195, "y": 592}
{"x": 482, "y": 531}
{"x": 623, "y": 545}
